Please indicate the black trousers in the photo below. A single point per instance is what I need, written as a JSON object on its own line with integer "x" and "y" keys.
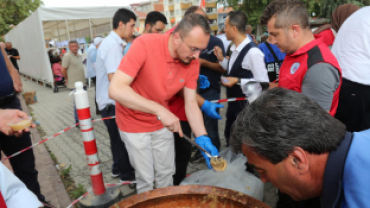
{"x": 23, "y": 164}
{"x": 233, "y": 110}
{"x": 96, "y": 104}
{"x": 354, "y": 106}
{"x": 182, "y": 153}
{"x": 121, "y": 162}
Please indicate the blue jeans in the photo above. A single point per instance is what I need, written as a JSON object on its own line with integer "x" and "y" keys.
{"x": 210, "y": 123}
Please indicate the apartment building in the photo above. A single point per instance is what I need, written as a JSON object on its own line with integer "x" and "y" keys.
{"x": 175, "y": 10}
{"x": 148, "y": 6}
{"x": 222, "y": 13}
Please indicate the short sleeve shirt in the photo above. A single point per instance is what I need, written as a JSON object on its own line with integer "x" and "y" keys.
{"x": 75, "y": 70}
{"x": 157, "y": 77}
{"x": 13, "y": 52}
{"x": 6, "y": 81}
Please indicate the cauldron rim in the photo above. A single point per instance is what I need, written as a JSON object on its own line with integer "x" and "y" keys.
{"x": 190, "y": 189}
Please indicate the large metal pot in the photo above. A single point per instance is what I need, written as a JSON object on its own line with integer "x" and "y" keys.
{"x": 190, "y": 196}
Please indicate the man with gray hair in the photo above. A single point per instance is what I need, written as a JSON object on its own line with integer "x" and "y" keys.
{"x": 303, "y": 151}
{"x": 154, "y": 69}
{"x": 72, "y": 69}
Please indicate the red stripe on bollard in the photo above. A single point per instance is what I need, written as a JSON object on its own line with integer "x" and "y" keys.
{"x": 90, "y": 147}
{"x": 87, "y": 130}
{"x": 83, "y": 113}
{"x": 97, "y": 184}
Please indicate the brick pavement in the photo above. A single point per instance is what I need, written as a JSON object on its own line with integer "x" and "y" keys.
{"x": 54, "y": 111}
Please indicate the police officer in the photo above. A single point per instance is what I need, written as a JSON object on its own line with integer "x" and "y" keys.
{"x": 273, "y": 58}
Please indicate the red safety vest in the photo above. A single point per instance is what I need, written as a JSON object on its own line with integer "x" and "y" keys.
{"x": 295, "y": 66}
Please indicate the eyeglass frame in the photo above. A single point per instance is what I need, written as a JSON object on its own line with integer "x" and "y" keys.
{"x": 192, "y": 49}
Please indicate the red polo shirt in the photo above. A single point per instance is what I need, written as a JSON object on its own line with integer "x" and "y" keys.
{"x": 295, "y": 66}
{"x": 177, "y": 103}
{"x": 157, "y": 77}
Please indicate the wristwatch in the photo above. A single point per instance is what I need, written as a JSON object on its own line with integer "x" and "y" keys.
{"x": 239, "y": 82}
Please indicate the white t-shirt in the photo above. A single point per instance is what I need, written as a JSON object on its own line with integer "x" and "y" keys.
{"x": 225, "y": 41}
{"x": 352, "y": 47}
{"x": 254, "y": 61}
{"x": 108, "y": 58}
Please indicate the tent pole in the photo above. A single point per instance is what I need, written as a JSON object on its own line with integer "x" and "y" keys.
{"x": 58, "y": 31}
{"x": 74, "y": 28}
{"x": 69, "y": 37}
{"x": 91, "y": 33}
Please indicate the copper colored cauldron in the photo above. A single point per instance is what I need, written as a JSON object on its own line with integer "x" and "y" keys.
{"x": 191, "y": 196}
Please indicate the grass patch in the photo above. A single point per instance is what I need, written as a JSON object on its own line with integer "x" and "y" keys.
{"x": 65, "y": 172}
{"x": 79, "y": 191}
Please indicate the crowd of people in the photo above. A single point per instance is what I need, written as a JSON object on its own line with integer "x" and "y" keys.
{"x": 307, "y": 134}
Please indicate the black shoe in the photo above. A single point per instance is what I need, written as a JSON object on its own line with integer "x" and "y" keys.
{"x": 127, "y": 179}
{"x": 47, "y": 204}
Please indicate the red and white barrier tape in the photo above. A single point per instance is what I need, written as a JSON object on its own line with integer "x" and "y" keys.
{"x": 106, "y": 185}
{"x": 228, "y": 100}
{"x": 51, "y": 137}
{"x": 101, "y": 119}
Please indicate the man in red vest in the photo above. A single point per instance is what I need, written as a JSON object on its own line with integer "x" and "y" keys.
{"x": 309, "y": 66}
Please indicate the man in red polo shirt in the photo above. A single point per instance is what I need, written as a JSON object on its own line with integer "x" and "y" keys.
{"x": 155, "y": 68}
{"x": 309, "y": 66}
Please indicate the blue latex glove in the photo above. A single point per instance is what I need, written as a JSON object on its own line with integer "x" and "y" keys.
{"x": 203, "y": 82}
{"x": 210, "y": 109}
{"x": 205, "y": 143}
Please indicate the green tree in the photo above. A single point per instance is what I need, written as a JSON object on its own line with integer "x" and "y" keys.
{"x": 12, "y": 12}
{"x": 254, "y": 8}
{"x": 328, "y": 6}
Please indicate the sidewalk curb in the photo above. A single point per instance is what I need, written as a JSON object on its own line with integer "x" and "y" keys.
{"x": 49, "y": 179}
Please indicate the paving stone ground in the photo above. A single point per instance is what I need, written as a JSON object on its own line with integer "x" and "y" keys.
{"x": 54, "y": 111}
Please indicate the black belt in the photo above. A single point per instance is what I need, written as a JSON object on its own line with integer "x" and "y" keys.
{"x": 7, "y": 98}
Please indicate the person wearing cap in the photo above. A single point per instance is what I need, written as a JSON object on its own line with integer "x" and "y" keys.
{"x": 109, "y": 56}
{"x": 309, "y": 66}
{"x": 91, "y": 59}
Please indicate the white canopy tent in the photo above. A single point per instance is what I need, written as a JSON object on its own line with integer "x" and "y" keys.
{"x": 32, "y": 35}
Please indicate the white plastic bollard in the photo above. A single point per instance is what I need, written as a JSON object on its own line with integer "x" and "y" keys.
{"x": 87, "y": 130}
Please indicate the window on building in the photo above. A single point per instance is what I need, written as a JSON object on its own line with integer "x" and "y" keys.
{"x": 177, "y": 1}
{"x": 165, "y": 2}
{"x": 177, "y": 12}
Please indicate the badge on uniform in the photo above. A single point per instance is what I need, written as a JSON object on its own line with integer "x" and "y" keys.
{"x": 294, "y": 67}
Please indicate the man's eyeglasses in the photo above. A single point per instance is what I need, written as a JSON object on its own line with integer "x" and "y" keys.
{"x": 192, "y": 49}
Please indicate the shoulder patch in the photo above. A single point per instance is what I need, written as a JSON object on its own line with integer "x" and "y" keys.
{"x": 294, "y": 67}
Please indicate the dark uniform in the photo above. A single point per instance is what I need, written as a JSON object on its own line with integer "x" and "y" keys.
{"x": 23, "y": 164}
